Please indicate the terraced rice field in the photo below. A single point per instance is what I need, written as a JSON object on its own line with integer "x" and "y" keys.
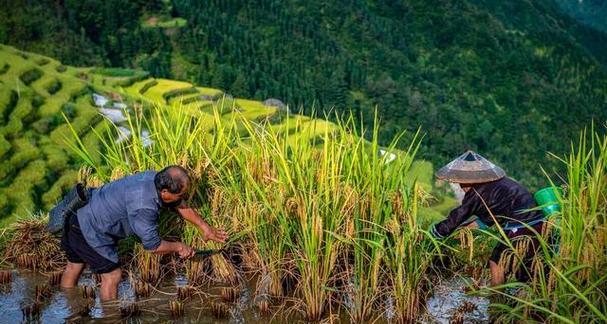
{"x": 36, "y": 163}
{"x": 37, "y": 166}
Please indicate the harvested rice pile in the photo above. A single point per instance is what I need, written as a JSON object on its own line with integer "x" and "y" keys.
{"x": 31, "y": 246}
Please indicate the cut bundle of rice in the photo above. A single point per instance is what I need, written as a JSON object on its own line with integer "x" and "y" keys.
{"x": 31, "y": 246}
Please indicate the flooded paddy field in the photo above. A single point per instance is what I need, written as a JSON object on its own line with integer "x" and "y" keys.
{"x": 31, "y": 297}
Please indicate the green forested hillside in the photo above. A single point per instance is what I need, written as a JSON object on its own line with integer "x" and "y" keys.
{"x": 512, "y": 79}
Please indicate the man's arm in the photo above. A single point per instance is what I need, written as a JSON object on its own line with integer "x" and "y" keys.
{"x": 167, "y": 247}
{"x": 144, "y": 224}
{"x": 208, "y": 231}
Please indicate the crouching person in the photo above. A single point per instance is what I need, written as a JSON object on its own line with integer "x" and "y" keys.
{"x": 127, "y": 206}
{"x": 496, "y": 200}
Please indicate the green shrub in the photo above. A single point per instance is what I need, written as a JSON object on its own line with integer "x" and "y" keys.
{"x": 69, "y": 109}
{"x": 25, "y": 152}
{"x": 147, "y": 86}
{"x": 5, "y": 172}
{"x": 23, "y": 55}
{"x": 114, "y": 72}
{"x": 61, "y": 68}
{"x": 130, "y": 81}
{"x": 30, "y": 76}
{"x": 22, "y": 191}
{"x": 45, "y": 124}
{"x": 3, "y": 204}
{"x": 7, "y": 109}
{"x": 178, "y": 92}
{"x": 278, "y": 117}
{"x": 37, "y": 100}
{"x": 59, "y": 188}
{"x": 54, "y": 87}
{"x": 190, "y": 100}
{"x": 56, "y": 158}
{"x": 4, "y": 68}
{"x": 22, "y": 110}
{"x": 12, "y": 129}
{"x": 43, "y": 61}
{"x": 80, "y": 92}
{"x": 5, "y": 146}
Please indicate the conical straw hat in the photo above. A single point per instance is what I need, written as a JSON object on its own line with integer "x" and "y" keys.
{"x": 470, "y": 167}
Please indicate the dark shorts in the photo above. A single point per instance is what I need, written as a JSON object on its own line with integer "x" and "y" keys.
{"x": 79, "y": 251}
{"x": 524, "y": 240}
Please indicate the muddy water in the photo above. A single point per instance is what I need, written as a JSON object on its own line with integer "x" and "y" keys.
{"x": 68, "y": 305}
{"x": 449, "y": 296}
{"x": 71, "y": 306}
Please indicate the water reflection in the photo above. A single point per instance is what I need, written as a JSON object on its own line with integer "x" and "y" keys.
{"x": 69, "y": 305}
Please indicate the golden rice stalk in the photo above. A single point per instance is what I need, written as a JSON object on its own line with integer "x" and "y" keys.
{"x": 195, "y": 271}
{"x": 130, "y": 310}
{"x": 184, "y": 292}
{"x": 466, "y": 239}
{"x": 31, "y": 311}
{"x": 87, "y": 292}
{"x": 230, "y": 294}
{"x": 54, "y": 278}
{"x": 250, "y": 258}
{"x": 148, "y": 265}
{"x": 219, "y": 310}
{"x": 223, "y": 270}
{"x": 117, "y": 173}
{"x": 176, "y": 308}
{"x": 6, "y": 277}
{"x": 141, "y": 288}
{"x": 43, "y": 292}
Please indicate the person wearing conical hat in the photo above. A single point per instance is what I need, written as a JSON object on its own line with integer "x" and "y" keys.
{"x": 494, "y": 199}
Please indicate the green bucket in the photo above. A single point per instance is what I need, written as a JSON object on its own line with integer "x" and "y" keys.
{"x": 547, "y": 199}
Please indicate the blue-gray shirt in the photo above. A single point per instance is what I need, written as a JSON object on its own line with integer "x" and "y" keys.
{"x": 121, "y": 208}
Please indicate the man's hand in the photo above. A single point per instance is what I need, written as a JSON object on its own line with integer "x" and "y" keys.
{"x": 214, "y": 234}
{"x": 185, "y": 251}
{"x": 473, "y": 225}
{"x": 208, "y": 231}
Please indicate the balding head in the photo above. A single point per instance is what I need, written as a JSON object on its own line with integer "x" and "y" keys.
{"x": 173, "y": 178}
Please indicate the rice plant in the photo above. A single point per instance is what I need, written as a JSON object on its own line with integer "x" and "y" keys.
{"x": 322, "y": 217}
{"x": 568, "y": 282}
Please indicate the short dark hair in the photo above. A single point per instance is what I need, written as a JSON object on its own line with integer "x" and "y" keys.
{"x": 172, "y": 178}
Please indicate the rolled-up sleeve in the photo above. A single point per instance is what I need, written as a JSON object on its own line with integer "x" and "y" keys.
{"x": 144, "y": 223}
{"x": 457, "y": 216}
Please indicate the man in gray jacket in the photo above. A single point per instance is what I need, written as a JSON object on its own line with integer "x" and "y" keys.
{"x": 127, "y": 206}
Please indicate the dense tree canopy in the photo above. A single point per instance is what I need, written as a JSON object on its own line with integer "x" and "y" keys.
{"x": 512, "y": 79}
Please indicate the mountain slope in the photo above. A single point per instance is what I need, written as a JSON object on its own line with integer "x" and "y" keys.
{"x": 512, "y": 79}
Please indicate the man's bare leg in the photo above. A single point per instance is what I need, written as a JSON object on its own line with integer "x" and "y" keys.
{"x": 71, "y": 274}
{"x": 497, "y": 274}
{"x": 109, "y": 284}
